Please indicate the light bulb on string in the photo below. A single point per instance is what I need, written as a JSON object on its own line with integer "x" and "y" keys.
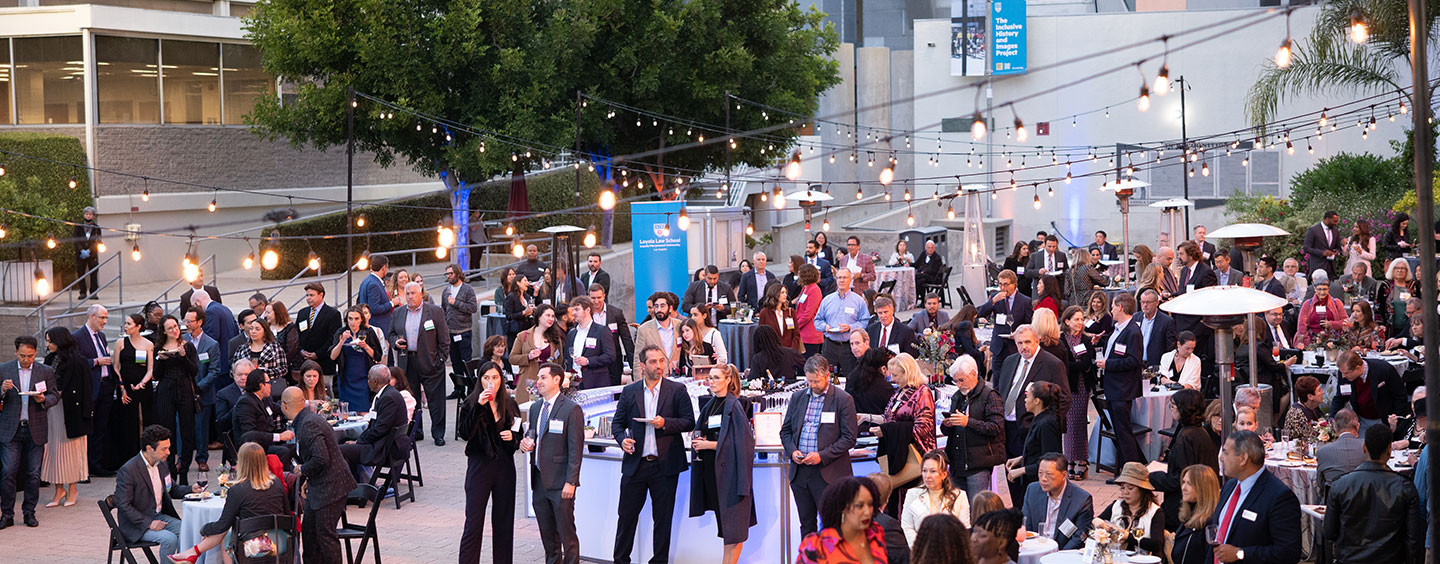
{"x": 1050, "y": 191}
{"x": 445, "y": 236}
{"x": 950, "y": 212}
{"x": 1205, "y": 168}
{"x": 1309, "y": 148}
{"x": 517, "y": 249}
{"x": 825, "y": 225}
{"x": 189, "y": 270}
{"x": 1359, "y": 33}
{"x": 42, "y": 284}
{"x": 74, "y": 182}
{"x": 249, "y": 261}
{"x": 665, "y": 229}
{"x": 683, "y": 221}
{"x": 1282, "y": 55}
{"x": 859, "y": 194}
{"x": 364, "y": 263}
{"x": 1245, "y": 162}
{"x": 2, "y": 169}
{"x": 271, "y": 257}
{"x": 100, "y": 247}
{"x": 910, "y": 219}
{"x": 50, "y": 242}
{"x": 510, "y": 229}
{"x": 977, "y": 127}
{"x": 1143, "y": 104}
{"x": 1067, "y": 177}
{"x": 750, "y": 227}
{"x": 1289, "y": 148}
{"x": 1021, "y": 135}
{"x": 887, "y": 175}
{"x": 792, "y": 169}
{"x": 440, "y": 253}
{"x": 1162, "y": 80}
{"x": 589, "y": 240}
{"x": 211, "y": 207}
{"x": 1037, "y": 201}
{"x": 135, "y": 252}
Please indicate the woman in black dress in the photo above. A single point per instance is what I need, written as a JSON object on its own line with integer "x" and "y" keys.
{"x": 868, "y": 386}
{"x": 519, "y": 306}
{"x": 175, "y": 369}
{"x": 489, "y": 422}
{"x": 771, "y": 360}
{"x": 131, "y": 356}
{"x": 724, "y": 446}
{"x": 1191, "y": 446}
{"x": 257, "y": 493}
{"x": 1016, "y": 263}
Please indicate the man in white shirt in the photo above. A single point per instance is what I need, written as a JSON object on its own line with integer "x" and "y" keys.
{"x": 1057, "y": 509}
{"x": 752, "y": 284}
{"x": 661, "y": 330}
{"x": 23, "y": 427}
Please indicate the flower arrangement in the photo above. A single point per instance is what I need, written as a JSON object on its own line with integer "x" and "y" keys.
{"x": 1327, "y": 340}
{"x": 1324, "y": 432}
{"x": 937, "y": 348}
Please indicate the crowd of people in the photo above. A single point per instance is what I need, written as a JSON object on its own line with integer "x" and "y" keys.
{"x": 174, "y": 387}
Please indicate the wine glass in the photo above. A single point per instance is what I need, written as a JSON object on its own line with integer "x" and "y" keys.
{"x": 1212, "y": 535}
{"x": 202, "y": 480}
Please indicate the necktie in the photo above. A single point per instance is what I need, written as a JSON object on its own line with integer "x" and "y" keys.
{"x": 711, "y": 293}
{"x": 313, "y": 311}
{"x": 1229, "y": 513}
{"x": 884, "y": 336}
{"x": 100, "y": 348}
{"x": 1016, "y": 385}
{"x": 544, "y": 424}
{"x": 1049, "y": 262}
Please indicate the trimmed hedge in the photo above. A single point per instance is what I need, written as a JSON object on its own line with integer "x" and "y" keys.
{"x": 42, "y": 188}
{"x": 550, "y": 190}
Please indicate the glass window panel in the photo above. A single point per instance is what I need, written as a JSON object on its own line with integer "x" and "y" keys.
{"x": 191, "y": 77}
{"x": 245, "y": 82}
{"x": 5, "y": 116}
{"x": 49, "y": 80}
{"x": 127, "y": 75}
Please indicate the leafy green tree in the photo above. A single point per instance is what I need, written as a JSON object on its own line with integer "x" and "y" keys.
{"x": 514, "y": 67}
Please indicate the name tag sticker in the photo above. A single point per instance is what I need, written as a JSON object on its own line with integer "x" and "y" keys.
{"x": 1089, "y": 322}
{"x": 849, "y": 311}
{"x": 827, "y": 417}
{"x": 724, "y": 300}
{"x": 1189, "y": 287}
{"x": 1001, "y": 319}
{"x": 1319, "y": 309}
{"x": 789, "y": 323}
{"x": 894, "y": 348}
{"x": 802, "y": 298}
{"x": 1120, "y": 348}
{"x": 1067, "y": 528}
{"x": 1020, "y": 270}
{"x": 429, "y": 324}
{"x": 1207, "y": 256}
{"x": 1344, "y": 389}
{"x": 557, "y": 426}
{"x": 304, "y": 324}
{"x": 614, "y": 328}
{"x": 40, "y": 386}
{"x": 714, "y": 422}
{"x": 1079, "y": 349}
{"x": 1404, "y": 295}
{"x": 516, "y": 426}
{"x": 456, "y": 337}
{"x": 589, "y": 342}
{"x": 1248, "y": 515}
{"x": 204, "y": 357}
{"x": 140, "y": 356}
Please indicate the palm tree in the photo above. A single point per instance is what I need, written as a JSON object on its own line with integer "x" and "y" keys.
{"x": 1328, "y": 62}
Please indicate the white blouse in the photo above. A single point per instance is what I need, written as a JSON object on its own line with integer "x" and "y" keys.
{"x": 917, "y": 508}
{"x": 1189, "y": 374}
{"x": 713, "y": 337}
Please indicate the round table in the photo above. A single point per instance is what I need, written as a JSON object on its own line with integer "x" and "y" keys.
{"x": 1033, "y": 550}
{"x": 1151, "y": 410}
{"x": 738, "y": 337}
{"x": 904, "y": 277}
{"x": 1063, "y": 557}
{"x": 197, "y": 514}
{"x": 350, "y": 429}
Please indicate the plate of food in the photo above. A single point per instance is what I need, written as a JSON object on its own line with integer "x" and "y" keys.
{"x": 1031, "y": 534}
{"x": 198, "y": 496}
{"x": 1291, "y": 463}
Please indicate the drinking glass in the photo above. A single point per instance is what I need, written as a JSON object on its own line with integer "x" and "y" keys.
{"x": 1212, "y": 535}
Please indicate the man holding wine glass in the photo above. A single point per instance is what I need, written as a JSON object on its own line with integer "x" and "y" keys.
{"x": 1258, "y": 519}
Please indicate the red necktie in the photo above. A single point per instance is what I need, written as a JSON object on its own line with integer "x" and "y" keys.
{"x": 1229, "y": 513}
{"x": 884, "y": 336}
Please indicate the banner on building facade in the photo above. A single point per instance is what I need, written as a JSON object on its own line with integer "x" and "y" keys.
{"x": 1007, "y": 30}
{"x": 969, "y": 39}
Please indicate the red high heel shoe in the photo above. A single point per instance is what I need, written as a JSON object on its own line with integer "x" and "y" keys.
{"x": 190, "y": 559}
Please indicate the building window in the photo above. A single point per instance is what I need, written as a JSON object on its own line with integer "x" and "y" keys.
{"x": 127, "y": 72}
{"x": 5, "y": 116}
{"x": 191, "y": 78}
{"x": 49, "y": 80}
{"x": 245, "y": 81}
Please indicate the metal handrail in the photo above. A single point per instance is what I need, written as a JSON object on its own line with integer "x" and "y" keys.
{"x": 416, "y": 251}
{"x": 39, "y": 311}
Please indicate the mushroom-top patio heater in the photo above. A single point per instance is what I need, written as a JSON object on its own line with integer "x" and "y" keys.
{"x": 808, "y": 199}
{"x": 562, "y": 243}
{"x": 1171, "y": 209}
{"x": 1123, "y": 190}
{"x": 1222, "y": 308}
{"x": 1248, "y": 237}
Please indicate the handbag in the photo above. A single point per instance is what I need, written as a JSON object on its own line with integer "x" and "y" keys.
{"x": 259, "y": 545}
{"x": 909, "y": 473}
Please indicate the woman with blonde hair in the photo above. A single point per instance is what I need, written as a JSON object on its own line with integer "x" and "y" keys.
{"x": 257, "y": 494}
{"x": 985, "y": 502}
{"x": 1084, "y": 277}
{"x": 1152, "y": 278}
{"x": 724, "y": 446}
{"x": 908, "y": 426}
{"x": 1199, "y": 495}
{"x": 1143, "y": 257}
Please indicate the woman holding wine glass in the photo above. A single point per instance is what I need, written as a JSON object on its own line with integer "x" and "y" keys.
{"x": 1199, "y": 494}
{"x": 489, "y": 422}
{"x": 1135, "y": 515}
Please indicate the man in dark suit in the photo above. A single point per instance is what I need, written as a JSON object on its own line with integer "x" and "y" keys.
{"x": 827, "y": 272}
{"x": 555, "y": 439}
{"x": 1157, "y": 329}
{"x": 1258, "y": 519}
{"x": 887, "y": 333}
{"x": 27, "y": 389}
{"x": 752, "y": 284}
{"x": 242, "y": 319}
{"x": 1371, "y": 387}
{"x": 93, "y": 346}
{"x": 589, "y": 346}
{"x": 1324, "y": 245}
{"x": 931, "y": 317}
{"x": 87, "y": 254}
{"x": 1011, "y": 309}
{"x": 649, "y": 420}
{"x": 207, "y": 379}
{"x": 327, "y": 483}
{"x": 1194, "y": 275}
{"x": 141, "y": 513}
{"x": 1121, "y": 368}
{"x": 372, "y": 293}
{"x": 1207, "y": 249}
{"x": 709, "y": 291}
{"x": 819, "y": 429}
{"x": 222, "y": 326}
{"x": 929, "y": 267}
{"x": 318, "y": 323}
{"x": 226, "y": 398}
{"x": 1374, "y": 514}
{"x": 1265, "y": 280}
{"x": 613, "y": 318}
{"x": 1012, "y": 382}
{"x": 593, "y": 274}
{"x": 384, "y": 440}
{"x": 255, "y": 418}
{"x": 198, "y": 284}
{"x": 1057, "y": 509}
{"x": 1048, "y": 260}
{"x": 421, "y": 340}
{"x": 1107, "y": 249}
{"x": 1225, "y": 273}
{"x": 1338, "y": 457}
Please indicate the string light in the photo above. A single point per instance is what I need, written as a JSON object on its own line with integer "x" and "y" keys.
{"x": 517, "y": 248}
{"x": 271, "y": 257}
{"x": 74, "y": 182}
{"x": 1324, "y": 117}
{"x": 750, "y": 227}
{"x": 683, "y": 222}
{"x": 135, "y": 252}
{"x": 910, "y": 219}
{"x": 2, "y": 169}
{"x": 792, "y": 169}
{"x": 1289, "y": 148}
{"x": 665, "y": 229}
{"x": 50, "y": 242}
{"x": 100, "y": 246}
{"x": 510, "y": 229}
{"x": 858, "y": 193}
{"x": 1282, "y": 55}
{"x": 950, "y": 212}
{"x": 589, "y": 240}
{"x": 1162, "y": 79}
{"x": 825, "y": 225}
{"x": 445, "y": 236}
{"x": 1021, "y": 135}
{"x": 1359, "y": 33}
{"x": 249, "y": 261}
{"x": 977, "y": 127}
{"x": 440, "y": 253}
{"x": 887, "y": 174}
{"x": 42, "y": 284}
{"x": 364, "y": 263}
{"x": 1205, "y": 169}
{"x": 779, "y": 198}
{"x": 211, "y": 207}
{"x": 360, "y": 220}
{"x": 1037, "y": 200}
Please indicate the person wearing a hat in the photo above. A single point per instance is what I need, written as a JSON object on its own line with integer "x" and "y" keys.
{"x": 87, "y": 254}
{"x": 1142, "y": 518}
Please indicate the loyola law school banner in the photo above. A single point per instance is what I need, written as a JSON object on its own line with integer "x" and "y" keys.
{"x": 660, "y": 259}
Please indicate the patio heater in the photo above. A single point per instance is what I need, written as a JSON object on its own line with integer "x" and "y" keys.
{"x": 562, "y": 240}
{"x": 1123, "y": 190}
{"x": 1248, "y": 237}
{"x": 808, "y": 199}
{"x": 1222, "y": 308}
{"x": 1173, "y": 209}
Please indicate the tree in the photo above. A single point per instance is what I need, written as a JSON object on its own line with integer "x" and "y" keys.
{"x": 513, "y": 67}
{"x": 1328, "y": 62}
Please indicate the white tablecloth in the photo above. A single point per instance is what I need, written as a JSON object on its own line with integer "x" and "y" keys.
{"x": 1151, "y": 410}
{"x": 904, "y": 278}
{"x": 350, "y": 429}
{"x": 197, "y": 514}
{"x": 1033, "y": 550}
{"x": 1063, "y": 557}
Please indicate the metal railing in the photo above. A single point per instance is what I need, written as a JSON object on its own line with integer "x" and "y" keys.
{"x": 119, "y": 309}
{"x": 37, "y": 321}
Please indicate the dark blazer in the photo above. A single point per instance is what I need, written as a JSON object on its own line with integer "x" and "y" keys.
{"x": 1042, "y": 438}
{"x": 1207, "y": 252}
{"x": 598, "y": 277}
{"x": 515, "y": 318}
{"x": 751, "y": 294}
{"x": 85, "y": 345}
{"x": 1037, "y": 262}
{"x": 788, "y": 331}
{"x": 1107, "y": 251}
{"x": 1046, "y": 368}
{"x": 189, "y": 292}
{"x": 1386, "y": 390}
{"x": 833, "y": 439}
{"x": 135, "y": 497}
{"x": 1337, "y": 458}
{"x": 72, "y": 376}
{"x": 897, "y": 548}
{"x": 1162, "y": 336}
{"x": 827, "y": 275}
{"x": 225, "y": 401}
{"x": 599, "y": 350}
{"x": 557, "y": 461}
{"x": 208, "y": 378}
{"x": 901, "y": 335}
{"x": 220, "y": 324}
{"x": 386, "y": 434}
{"x": 254, "y": 420}
{"x": 789, "y": 366}
{"x": 243, "y": 501}
{"x": 12, "y": 402}
{"x": 1374, "y": 514}
{"x": 1076, "y": 507}
{"x": 695, "y": 295}
{"x": 1019, "y": 314}
{"x": 929, "y": 268}
{"x": 1271, "y": 286}
{"x": 1191, "y": 445}
{"x": 372, "y": 293}
{"x": 1235, "y": 276}
{"x": 321, "y": 464}
{"x": 614, "y": 320}
{"x": 922, "y": 320}
{"x": 433, "y": 349}
{"x": 1274, "y": 534}
{"x": 732, "y": 469}
{"x": 365, "y": 335}
{"x": 1121, "y": 378}
{"x": 318, "y": 337}
{"x": 1315, "y": 246}
{"x": 673, "y": 405}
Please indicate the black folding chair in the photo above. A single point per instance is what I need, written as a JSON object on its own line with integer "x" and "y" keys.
{"x": 416, "y": 476}
{"x": 117, "y": 540}
{"x": 1107, "y": 431}
{"x": 365, "y": 533}
{"x": 942, "y": 288}
{"x": 887, "y": 287}
{"x": 285, "y": 549}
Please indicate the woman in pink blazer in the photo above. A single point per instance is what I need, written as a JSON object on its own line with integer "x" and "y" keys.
{"x": 806, "y": 305}
{"x": 1319, "y": 314}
